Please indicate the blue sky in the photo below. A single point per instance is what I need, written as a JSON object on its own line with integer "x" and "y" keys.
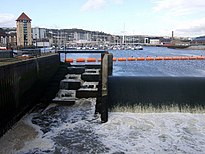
{"x": 144, "y": 17}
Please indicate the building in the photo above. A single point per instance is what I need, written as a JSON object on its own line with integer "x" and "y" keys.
{"x": 155, "y": 41}
{"x": 39, "y": 33}
{"x": 23, "y": 29}
{"x": 198, "y": 41}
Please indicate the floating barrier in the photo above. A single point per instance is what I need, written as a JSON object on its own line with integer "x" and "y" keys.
{"x": 159, "y": 58}
{"x": 148, "y": 58}
{"x": 69, "y": 60}
{"x": 99, "y": 60}
{"x": 200, "y": 57}
{"x": 91, "y": 59}
{"x": 114, "y": 59}
{"x": 184, "y": 58}
{"x": 80, "y": 60}
{"x": 140, "y": 59}
{"x": 167, "y": 58}
{"x": 192, "y": 58}
{"x": 131, "y": 59}
{"x": 122, "y": 59}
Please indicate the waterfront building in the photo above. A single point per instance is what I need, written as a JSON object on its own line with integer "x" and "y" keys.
{"x": 155, "y": 41}
{"x": 8, "y": 38}
{"x": 198, "y": 41}
{"x": 23, "y": 28}
{"x": 39, "y": 33}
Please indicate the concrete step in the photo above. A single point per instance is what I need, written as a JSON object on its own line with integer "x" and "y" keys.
{"x": 70, "y": 84}
{"x": 88, "y": 90}
{"x": 91, "y": 75}
{"x": 76, "y": 70}
{"x": 65, "y": 97}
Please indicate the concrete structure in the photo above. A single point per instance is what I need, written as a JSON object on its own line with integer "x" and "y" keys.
{"x": 23, "y": 27}
{"x": 154, "y": 41}
{"x": 22, "y": 84}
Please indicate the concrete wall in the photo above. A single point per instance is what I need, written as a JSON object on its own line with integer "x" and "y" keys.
{"x": 22, "y": 83}
{"x": 156, "y": 91}
{"x": 6, "y": 54}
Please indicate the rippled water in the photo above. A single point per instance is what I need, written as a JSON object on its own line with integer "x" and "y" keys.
{"x": 154, "y": 68}
{"x": 76, "y": 130}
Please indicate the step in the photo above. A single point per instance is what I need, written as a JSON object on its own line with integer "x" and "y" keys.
{"x": 91, "y": 75}
{"x": 88, "y": 90}
{"x": 65, "y": 97}
{"x": 73, "y": 76}
{"x": 76, "y": 70}
{"x": 70, "y": 84}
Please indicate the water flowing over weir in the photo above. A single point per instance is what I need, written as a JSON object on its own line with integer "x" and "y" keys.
{"x": 156, "y": 91}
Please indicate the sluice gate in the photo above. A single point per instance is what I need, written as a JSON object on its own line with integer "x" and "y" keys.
{"x": 156, "y": 91}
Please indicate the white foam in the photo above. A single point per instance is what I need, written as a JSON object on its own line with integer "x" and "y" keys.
{"x": 124, "y": 132}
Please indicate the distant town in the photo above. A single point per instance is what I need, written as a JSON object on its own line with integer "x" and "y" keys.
{"x": 25, "y": 36}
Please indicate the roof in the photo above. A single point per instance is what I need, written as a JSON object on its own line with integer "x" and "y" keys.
{"x": 23, "y": 16}
{"x": 201, "y": 38}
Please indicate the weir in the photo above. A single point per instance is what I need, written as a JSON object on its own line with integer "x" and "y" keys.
{"x": 124, "y": 91}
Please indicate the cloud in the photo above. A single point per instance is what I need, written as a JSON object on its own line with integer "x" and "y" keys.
{"x": 7, "y": 20}
{"x": 194, "y": 28}
{"x": 179, "y": 7}
{"x": 93, "y": 5}
{"x": 97, "y": 4}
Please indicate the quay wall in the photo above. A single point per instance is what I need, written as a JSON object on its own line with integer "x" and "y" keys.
{"x": 156, "y": 91}
{"x": 22, "y": 84}
{"x": 196, "y": 47}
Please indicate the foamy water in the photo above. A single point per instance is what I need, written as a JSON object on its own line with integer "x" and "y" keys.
{"x": 75, "y": 129}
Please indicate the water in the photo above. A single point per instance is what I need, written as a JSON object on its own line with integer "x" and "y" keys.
{"x": 76, "y": 130}
{"x": 154, "y": 68}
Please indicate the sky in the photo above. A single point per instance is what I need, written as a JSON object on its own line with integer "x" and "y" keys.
{"x": 117, "y": 17}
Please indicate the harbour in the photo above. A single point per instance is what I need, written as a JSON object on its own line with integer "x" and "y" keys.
{"x": 102, "y": 77}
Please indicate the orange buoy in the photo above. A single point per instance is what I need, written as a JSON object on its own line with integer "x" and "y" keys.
{"x": 176, "y": 58}
{"x": 140, "y": 59}
{"x": 200, "y": 57}
{"x": 167, "y": 58}
{"x": 185, "y": 58}
{"x": 114, "y": 59}
{"x": 193, "y": 58}
{"x": 91, "y": 59}
{"x": 69, "y": 60}
{"x": 159, "y": 58}
{"x": 80, "y": 60}
{"x": 131, "y": 59}
{"x": 121, "y": 59}
{"x": 149, "y": 58}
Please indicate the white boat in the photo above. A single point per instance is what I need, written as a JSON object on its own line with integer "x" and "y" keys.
{"x": 138, "y": 48}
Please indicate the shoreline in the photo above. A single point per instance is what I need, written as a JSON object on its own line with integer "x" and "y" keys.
{"x": 198, "y": 47}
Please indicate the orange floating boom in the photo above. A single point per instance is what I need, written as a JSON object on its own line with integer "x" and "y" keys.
{"x": 149, "y": 58}
{"x": 91, "y": 59}
{"x": 80, "y": 60}
{"x": 159, "y": 58}
{"x": 69, "y": 60}
{"x": 131, "y": 59}
{"x": 140, "y": 59}
{"x": 122, "y": 59}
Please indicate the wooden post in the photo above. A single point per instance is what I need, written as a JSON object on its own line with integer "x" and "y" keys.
{"x": 105, "y": 73}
